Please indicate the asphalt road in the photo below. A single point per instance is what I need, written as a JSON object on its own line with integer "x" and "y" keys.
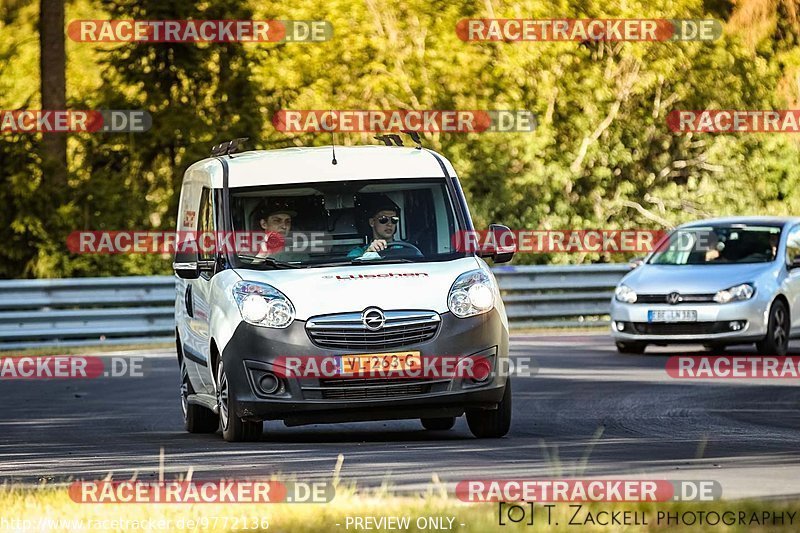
{"x": 589, "y": 411}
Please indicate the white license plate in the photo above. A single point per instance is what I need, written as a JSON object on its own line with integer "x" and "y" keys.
{"x": 677, "y": 315}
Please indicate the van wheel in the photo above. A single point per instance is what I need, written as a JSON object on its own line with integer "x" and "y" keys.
{"x": 234, "y": 429}
{"x": 486, "y": 424}
{"x": 777, "y": 340}
{"x": 439, "y": 424}
{"x": 631, "y": 347}
{"x": 196, "y": 418}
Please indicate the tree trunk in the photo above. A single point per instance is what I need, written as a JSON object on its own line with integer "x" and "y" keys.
{"x": 52, "y": 65}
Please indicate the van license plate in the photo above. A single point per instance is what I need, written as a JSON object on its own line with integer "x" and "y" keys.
{"x": 383, "y": 362}
{"x": 677, "y": 315}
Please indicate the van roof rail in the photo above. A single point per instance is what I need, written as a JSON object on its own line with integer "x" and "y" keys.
{"x": 393, "y": 139}
{"x": 229, "y": 147}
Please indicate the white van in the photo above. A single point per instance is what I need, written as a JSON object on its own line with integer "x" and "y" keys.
{"x": 366, "y": 268}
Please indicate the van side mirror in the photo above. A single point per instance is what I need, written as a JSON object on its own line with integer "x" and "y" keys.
{"x": 502, "y": 245}
{"x": 186, "y": 265}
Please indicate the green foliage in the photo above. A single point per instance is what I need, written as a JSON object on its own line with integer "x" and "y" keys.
{"x": 601, "y": 156}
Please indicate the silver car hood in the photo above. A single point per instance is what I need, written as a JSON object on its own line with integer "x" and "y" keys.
{"x": 693, "y": 279}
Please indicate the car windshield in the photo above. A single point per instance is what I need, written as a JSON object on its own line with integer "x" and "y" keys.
{"x": 712, "y": 245}
{"x": 323, "y": 224}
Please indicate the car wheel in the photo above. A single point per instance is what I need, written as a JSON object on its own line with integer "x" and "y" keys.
{"x": 777, "y": 340}
{"x": 196, "y": 418}
{"x": 439, "y": 424}
{"x": 234, "y": 429}
{"x": 492, "y": 424}
{"x": 631, "y": 347}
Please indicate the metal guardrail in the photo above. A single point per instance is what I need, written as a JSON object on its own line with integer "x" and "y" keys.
{"x": 139, "y": 309}
{"x": 558, "y": 296}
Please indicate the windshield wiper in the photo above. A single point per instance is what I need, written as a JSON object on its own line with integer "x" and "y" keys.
{"x": 269, "y": 261}
{"x": 359, "y": 261}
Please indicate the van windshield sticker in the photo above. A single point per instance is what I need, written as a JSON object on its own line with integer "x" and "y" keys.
{"x": 377, "y": 276}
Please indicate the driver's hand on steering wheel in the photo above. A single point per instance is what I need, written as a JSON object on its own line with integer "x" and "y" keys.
{"x": 376, "y": 246}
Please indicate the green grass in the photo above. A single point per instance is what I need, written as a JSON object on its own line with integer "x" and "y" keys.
{"x": 86, "y": 350}
{"x": 50, "y": 502}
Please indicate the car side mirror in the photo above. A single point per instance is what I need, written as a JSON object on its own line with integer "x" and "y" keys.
{"x": 502, "y": 245}
{"x": 186, "y": 264}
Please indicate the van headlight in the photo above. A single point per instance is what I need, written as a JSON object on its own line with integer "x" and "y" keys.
{"x": 737, "y": 293}
{"x": 625, "y": 294}
{"x": 263, "y": 305}
{"x": 471, "y": 294}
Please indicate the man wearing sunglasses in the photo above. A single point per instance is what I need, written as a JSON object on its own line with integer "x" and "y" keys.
{"x": 384, "y": 221}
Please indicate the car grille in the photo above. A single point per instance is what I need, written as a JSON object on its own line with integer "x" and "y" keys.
{"x": 371, "y": 388}
{"x": 680, "y": 328}
{"x": 347, "y": 331}
{"x": 685, "y": 298}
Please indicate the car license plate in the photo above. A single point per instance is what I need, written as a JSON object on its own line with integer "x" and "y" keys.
{"x": 383, "y": 362}
{"x": 677, "y": 315}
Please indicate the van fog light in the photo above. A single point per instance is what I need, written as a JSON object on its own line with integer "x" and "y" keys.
{"x": 268, "y": 383}
{"x": 620, "y": 326}
{"x": 254, "y": 308}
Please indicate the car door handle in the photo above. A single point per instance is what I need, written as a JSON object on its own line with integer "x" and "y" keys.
{"x": 187, "y": 299}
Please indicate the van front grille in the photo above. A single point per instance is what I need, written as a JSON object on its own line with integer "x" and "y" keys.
{"x": 369, "y": 389}
{"x": 347, "y": 331}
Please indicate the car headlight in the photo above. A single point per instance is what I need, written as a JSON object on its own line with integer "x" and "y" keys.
{"x": 471, "y": 294}
{"x": 737, "y": 293}
{"x": 263, "y": 305}
{"x": 625, "y": 294}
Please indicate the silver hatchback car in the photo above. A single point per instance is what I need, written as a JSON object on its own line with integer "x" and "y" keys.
{"x": 716, "y": 282}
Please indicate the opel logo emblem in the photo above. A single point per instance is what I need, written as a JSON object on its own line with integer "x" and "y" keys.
{"x": 373, "y": 318}
{"x": 673, "y": 298}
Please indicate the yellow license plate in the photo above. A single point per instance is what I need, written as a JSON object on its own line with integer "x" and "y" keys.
{"x": 385, "y": 362}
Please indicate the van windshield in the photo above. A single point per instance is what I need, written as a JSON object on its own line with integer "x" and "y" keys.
{"x": 714, "y": 245}
{"x": 364, "y": 221}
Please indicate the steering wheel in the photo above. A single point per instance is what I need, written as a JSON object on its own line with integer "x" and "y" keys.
{"x": 396, "y": 248}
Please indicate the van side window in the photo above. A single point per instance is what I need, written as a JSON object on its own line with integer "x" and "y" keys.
{"x": 793, "y": 245}
{"x": 205, "y": 225}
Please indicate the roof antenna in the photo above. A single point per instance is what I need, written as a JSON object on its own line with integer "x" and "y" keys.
{"x": 333, "y": 144}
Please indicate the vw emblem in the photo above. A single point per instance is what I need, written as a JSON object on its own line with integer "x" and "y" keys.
{"x": 673, "y": 298}
{"x": 373, "y": 318}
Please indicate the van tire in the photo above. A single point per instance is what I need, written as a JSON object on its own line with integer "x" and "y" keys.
{"x": 438, "y": 424}
{"x": 234, "y": 429}
{"x": 492, "y": 424}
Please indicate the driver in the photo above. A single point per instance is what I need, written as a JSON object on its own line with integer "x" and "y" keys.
{"x": 384, "y": 221}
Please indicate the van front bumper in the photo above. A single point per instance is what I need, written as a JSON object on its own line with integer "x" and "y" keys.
{"x": 255, "y": 351}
